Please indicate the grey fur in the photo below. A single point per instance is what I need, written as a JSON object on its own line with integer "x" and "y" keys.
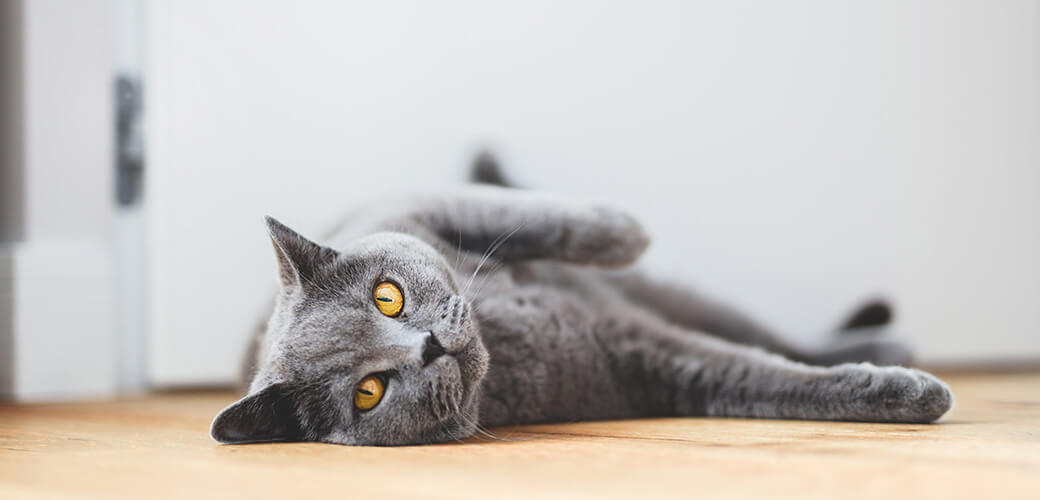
{"x": 540, "y": 323}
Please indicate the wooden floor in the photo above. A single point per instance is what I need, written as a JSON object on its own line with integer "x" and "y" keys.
{"x": 157, "y": 446}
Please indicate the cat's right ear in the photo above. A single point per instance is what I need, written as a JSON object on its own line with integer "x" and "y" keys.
{"x": 299, "y": 259}
{"x": 266, "y": 416}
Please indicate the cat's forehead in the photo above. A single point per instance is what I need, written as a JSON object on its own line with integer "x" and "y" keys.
{"x": 396, "y": 256}
{"x": 389, "y": 246}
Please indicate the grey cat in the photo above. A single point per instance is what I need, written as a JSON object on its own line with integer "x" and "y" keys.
{"x": 422, "y": 319}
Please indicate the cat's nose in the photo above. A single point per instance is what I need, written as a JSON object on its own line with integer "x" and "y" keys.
{"x": 432, "y": 350}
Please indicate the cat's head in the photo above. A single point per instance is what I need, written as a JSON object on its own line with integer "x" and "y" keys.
{"x": 371, "y": 344}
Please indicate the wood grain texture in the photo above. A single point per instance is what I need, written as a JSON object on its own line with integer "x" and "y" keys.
{"x": 157, "y": 446}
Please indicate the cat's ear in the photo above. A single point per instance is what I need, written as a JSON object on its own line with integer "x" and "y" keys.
{"x": 268, "y": 415}
{"x": 298, "y": 257}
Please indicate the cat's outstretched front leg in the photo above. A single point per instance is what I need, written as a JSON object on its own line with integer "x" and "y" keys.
{"x": 518, "y": 224}
{"x": 712, "y": 377}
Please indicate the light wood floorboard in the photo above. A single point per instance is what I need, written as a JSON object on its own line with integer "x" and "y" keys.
{"x": 157, "y": 446}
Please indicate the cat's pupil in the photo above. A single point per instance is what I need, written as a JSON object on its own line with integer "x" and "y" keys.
{"x": 385, "y": 299}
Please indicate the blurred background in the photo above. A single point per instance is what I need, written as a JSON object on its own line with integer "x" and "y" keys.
{"x": 793, "y": 158}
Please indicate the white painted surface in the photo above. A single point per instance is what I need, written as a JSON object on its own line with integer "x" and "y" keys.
{"x": 793, "y": 157}
{"x": 63, "y": 319}
{"x": 129, "y": 242}
{"x": 68, "y": 124}
{"x": 59, "y": 273}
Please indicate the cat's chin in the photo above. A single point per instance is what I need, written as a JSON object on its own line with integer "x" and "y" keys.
{"x": 456, "y": 400}
{"x": 456, "y": 428}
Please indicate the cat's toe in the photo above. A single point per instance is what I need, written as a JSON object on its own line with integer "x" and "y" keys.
{"x": 612, "y": 239}
{"x": 913, "y": 396}
{"x": 934, "y": 400}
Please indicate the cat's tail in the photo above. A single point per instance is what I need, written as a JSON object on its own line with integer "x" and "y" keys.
{"x": 486, "y": 170}
{"x": 866, "y": 336}
{"x": 872, "y": 314}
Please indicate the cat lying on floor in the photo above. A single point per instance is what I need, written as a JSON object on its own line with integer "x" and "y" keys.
{"x": 499, "y": 306}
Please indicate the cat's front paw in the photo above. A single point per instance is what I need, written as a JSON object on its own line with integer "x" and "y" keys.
{"x": 894, "y": 394}
{"x": 607, "y": 237}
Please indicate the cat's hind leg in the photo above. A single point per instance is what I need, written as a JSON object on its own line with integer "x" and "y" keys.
{"x": 699, "y": 375}
{"x": 862, "y": 337}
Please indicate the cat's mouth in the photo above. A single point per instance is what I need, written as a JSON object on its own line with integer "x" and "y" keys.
{"x": 455, "y": 377}
{"x": 432, "y": 350}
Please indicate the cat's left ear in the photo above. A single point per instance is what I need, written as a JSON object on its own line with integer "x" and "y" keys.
{"x": 269, "y": 415}
{"x": 299, "y": 259}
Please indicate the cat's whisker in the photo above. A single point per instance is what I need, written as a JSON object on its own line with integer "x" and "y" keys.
{"x": 450, "y": 434}
{"x": 458, "y": 250}
{"x": 480, "y": 435}
{"x": 486, "y": 432}
{"x": 487, "y": 253}
{"x": 476, "y": 426}
{"x": 495, "y": 245}
{"x": 452, "y": 428}
{"x": 487, "y": 274}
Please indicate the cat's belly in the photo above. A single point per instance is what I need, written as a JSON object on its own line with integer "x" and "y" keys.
{"x": 549, "y": 361}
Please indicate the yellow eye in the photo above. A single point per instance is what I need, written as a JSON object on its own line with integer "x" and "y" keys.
{"x": 389, "y": 299}
{"x": 368, "y": 393}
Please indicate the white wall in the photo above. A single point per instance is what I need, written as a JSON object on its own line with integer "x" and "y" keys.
{"x": 793, "y": 157}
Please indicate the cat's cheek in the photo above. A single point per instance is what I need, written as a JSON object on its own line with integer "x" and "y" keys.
{"x": 340, "y": 437}
{"x": 473, "y": 363}
{"x": 454, "y": 328}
